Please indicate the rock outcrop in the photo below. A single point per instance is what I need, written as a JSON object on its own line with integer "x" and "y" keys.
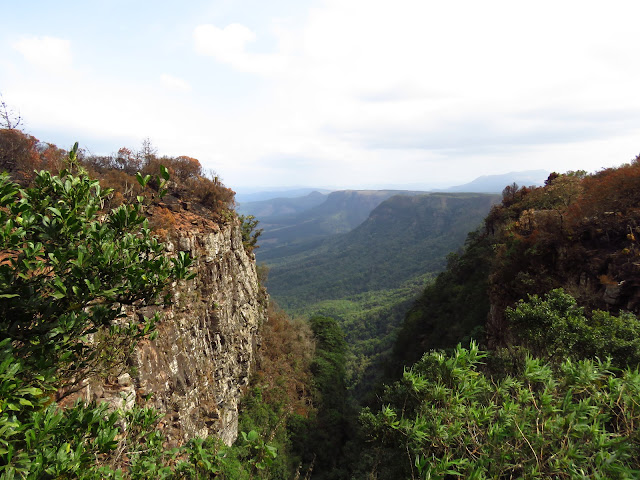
{"x": 196, "y": 368}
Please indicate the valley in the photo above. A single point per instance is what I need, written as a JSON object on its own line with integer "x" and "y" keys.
{"x": 369, "y": 336}
{"x": 367, "y": 276}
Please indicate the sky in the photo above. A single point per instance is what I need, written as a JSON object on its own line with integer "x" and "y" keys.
{"x": 332, "y": 93}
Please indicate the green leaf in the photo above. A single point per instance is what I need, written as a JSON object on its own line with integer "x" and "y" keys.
{"x": 33, "y": 390}
{"x": 55, "y": 211}
{"x": 142, "y": 180}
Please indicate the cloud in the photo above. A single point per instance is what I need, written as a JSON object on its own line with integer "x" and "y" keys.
{"x": 353, "y": 92}
{"x": 463, "y": 76}
{"x": 50, "y": 53}
{"x": 486, "y": 132}
{"x": 174, "y": 83}
{"x": 228, "y": 45}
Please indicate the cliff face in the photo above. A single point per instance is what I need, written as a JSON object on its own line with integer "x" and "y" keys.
{"x": 200, "y": 362}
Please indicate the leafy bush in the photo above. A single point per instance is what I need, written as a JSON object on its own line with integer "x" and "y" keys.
{"x": 66, "y": 273}
{"x": 448, "y": 419}
{"x": 555, "y": 326}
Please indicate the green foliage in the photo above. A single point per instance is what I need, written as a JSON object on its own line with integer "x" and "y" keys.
{"x": 250, "y": 234}
{"x": 555, "y": 326}
{"x": 447, "y": 418}
{"x": 277, "y": 413}
{"x": 67, "y": 272}
{"x": 370, "y": 323}
{"x": 368, "y": 278}
{"x": 262, "y": 454}
{"x": 74, "y": 271}
{"x": 327, "y": 434}
{"x": 37, "y": 438}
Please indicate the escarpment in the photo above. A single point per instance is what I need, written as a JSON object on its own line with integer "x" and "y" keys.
{"x": 196, "y": 368}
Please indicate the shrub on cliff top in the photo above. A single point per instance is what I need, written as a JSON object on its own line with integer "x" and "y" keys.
{"x": 65, "y": 274}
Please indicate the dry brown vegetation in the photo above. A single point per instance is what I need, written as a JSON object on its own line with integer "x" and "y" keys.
{"x": 283, "y": 368}
{"x": 188, "y": 189}
{"x": 578, "y": 232}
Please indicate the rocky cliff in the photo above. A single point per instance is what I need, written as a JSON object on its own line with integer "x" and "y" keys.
{"x": 198, "y": 365}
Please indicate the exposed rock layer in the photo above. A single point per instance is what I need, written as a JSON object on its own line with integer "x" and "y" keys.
{"x": 200, "y": 362}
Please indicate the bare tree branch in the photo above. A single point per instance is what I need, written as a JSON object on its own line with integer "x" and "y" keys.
{"x": 8, "y": 117}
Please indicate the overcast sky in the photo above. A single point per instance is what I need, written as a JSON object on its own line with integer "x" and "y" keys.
{"x": 334, "y": 93}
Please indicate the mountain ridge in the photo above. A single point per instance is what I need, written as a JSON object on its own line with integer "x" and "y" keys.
{"x": 401, "y": 227}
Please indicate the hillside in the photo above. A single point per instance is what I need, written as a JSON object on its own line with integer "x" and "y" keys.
{"x": 281, "y": 206}
{"x": 339, "y": 213}
{"x": 549, "y": 290}
{"x": 578, "y": 232}
{"x": 367, "y": 278}
{"x": 404, "y": 237}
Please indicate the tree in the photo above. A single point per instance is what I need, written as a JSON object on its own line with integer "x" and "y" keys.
{"x": 18, "y": 154}
{"x": 127, "y": 161}
{"x": 147, "y": 152}
{"x": 250, "y": 233}
{"x": 8, "y": 117}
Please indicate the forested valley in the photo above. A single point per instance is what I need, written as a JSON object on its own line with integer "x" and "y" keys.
{"x": 444, "y": 336}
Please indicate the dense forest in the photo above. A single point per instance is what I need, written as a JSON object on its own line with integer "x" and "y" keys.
{"x": 518, "y": 360}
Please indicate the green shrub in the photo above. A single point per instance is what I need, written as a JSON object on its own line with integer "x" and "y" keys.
{"x": 447, "y": 419}
{"x": 555, "y": 326}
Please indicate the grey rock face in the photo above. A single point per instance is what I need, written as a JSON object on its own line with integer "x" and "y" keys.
{"x": 199, "y": 364}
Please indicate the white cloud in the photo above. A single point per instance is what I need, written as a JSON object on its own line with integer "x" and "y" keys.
{"x": 369, "y": 67}
{"x": 228, "y": 45}
{"x": 360, "y": 91}
{"x": 49, "y": 53}
{"x": 174, "y": 83}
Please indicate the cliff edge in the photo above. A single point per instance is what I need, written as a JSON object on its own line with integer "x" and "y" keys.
{"x": 196, "y": 368}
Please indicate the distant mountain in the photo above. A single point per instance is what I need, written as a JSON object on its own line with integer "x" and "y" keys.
{"x": 496, "y": 183}
{"x": 259, "y": 196}
{"x": 281, "y": 206}
{"x": 341, "y": 212}
{"x": 403, "y": 237}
